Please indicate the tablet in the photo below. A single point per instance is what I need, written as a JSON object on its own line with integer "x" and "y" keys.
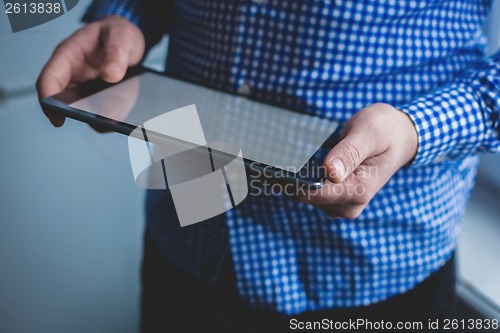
{"x": 272, "y": 139}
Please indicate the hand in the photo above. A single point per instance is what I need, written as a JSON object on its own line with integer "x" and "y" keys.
{"x": 103, "y": 49}
{"x": 376, "y": 142}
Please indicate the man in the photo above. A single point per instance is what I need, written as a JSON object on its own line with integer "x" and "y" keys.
{"x": 419, "y": 99}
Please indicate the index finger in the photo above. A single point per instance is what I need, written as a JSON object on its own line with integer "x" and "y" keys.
{"x": 55, "y": 75}
{"x": 53, "y": 79}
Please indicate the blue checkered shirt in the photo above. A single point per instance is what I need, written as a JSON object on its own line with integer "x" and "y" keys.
{"x": 330, "y": 58}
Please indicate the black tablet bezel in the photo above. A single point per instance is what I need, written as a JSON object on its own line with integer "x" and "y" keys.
{"x": 61, "y": 102}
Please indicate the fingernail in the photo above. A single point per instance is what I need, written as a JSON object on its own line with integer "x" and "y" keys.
{"x": 339, "y": 168}
{"x": 112, "y": 68}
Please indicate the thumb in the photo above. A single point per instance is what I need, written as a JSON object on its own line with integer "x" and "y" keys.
{"x": 347, "y": 155}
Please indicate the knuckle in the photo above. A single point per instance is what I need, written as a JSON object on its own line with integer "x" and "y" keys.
{"x": 87, "y": 29}
{"x": 61, "y": 47}
{"x": 352, "y": 154}
{"x": 65, "y": 49}
{"x": 127, "y": 30}
{"x": 113, "y": 51}
{"x": 92, "y": 26}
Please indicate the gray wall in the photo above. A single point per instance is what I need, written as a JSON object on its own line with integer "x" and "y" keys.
{"x": 71, "y": 216}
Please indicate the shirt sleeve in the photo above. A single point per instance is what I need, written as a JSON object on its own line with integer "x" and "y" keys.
{"x": 151, "y": 16}
{"x": 461, "y": 118}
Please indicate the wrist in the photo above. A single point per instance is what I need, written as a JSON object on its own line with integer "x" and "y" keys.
{"x": 401, "y": 132}
{"x": 409, "y": 137}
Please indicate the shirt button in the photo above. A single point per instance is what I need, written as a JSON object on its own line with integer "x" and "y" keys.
{"x": 244, "y": 89}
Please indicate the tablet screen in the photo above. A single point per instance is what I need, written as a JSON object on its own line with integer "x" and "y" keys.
{"x": 265, "y": 134}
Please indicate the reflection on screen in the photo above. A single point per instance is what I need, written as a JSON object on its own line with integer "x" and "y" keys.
{"x": 266, "y": 134}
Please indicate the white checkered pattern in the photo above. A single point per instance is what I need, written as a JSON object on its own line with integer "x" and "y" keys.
{"x": 331, "y": 58}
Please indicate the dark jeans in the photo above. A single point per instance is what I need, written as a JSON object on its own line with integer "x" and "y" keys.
{"x": 173, "y": 302}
